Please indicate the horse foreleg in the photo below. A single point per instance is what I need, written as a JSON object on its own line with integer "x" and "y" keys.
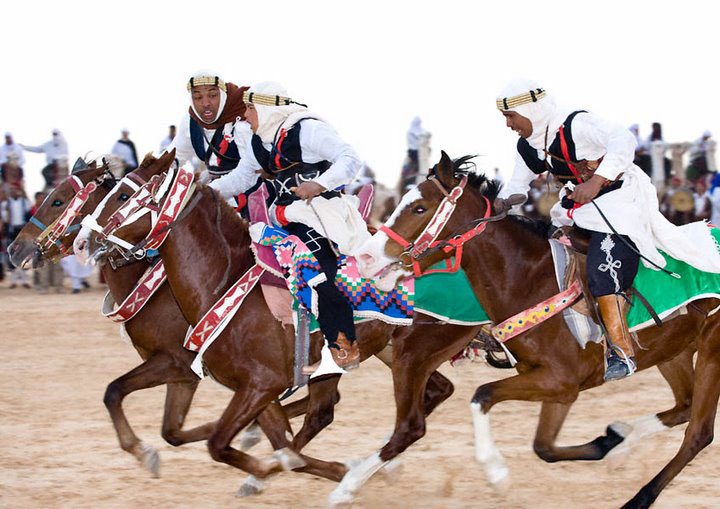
{"x": 157, "y": 370}
{"x": 178, "y": 399}
{"x": 699, "y": 433}
{"x": 537, "y": 385}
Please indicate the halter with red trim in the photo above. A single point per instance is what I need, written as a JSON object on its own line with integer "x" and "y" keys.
{"x": 428, "y": 237}
{"x": 51, "y": 235}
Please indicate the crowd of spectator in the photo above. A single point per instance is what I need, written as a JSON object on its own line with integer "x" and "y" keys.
{"x": 16, "y": 206}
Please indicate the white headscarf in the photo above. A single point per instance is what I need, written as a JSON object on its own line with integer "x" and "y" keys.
{"x": 270, "y": 118}
{"x": 544, "y": 114}
{"x": 223, "y": 94}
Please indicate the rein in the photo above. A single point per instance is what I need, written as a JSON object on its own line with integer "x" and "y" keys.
{"x": 427, "y": 243}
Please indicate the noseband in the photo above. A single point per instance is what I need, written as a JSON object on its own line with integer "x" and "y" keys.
{"x": 426, "y": 243}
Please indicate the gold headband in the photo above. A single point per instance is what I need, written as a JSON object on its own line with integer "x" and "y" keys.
{"x": 213, "y": 81}
{"x": 532, "y": 96}
{"x": 267, "y": 100}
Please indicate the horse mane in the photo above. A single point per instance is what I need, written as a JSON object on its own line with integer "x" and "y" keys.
{"x": 228, "y": 215}
{"x": 465, "y": 167}
{"x": 538, "y": 227}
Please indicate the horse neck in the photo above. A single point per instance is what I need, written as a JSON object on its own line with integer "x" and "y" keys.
{"x": 122, "y": 280}
{"x": 510, "y": 269}
{"x": 201, "y": 260}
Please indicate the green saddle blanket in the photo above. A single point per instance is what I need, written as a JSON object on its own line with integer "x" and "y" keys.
{"x": 666, "y": 294}
{"x": 446, "y": 296}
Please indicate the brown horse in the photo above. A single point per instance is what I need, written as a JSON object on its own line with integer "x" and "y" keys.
{"x": 156, "y": 331}
{"x": 205, "y": 253}
{"x": 510, "y": 268}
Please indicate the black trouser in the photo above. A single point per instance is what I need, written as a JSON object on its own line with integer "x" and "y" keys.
{"x": 335, "y": 314}
{"x": 611, "y": 264}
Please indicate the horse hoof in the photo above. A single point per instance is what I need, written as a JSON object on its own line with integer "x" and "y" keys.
{"x": 251, "y": 486}
{"x": 289, "y": 459}
{"x": 497, "y": 472}
{"x": 250, "y": 437}
{"x": 340, "y": 498}
{"x": 150, "y": 459}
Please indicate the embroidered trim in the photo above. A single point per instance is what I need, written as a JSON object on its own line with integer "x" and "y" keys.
{"x": 606, "y": 247}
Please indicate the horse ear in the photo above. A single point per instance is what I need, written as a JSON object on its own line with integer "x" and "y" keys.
{"x": 444, "y": 170}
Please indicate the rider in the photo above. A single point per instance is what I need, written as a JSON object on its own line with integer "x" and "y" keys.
{"x": 306, "y": 161}
{"x": 214, "y": 129}
{"x": 597, "y": 157}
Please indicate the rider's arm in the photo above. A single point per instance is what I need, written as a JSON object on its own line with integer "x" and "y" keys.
{"x": 242, "y": 178}
{"x": 38, "y": 149}
{"x": 320, "y": 142}
{"x": 520, "y": 181}
{"x": 617, "y": 141}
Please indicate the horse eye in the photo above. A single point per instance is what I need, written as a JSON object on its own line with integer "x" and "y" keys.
{"x": 123, "y": 197}
{"x": 419, "y": 210}
{"x": 56, "y": 203}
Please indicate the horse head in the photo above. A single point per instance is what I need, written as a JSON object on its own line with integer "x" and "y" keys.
{"x": 50, "y": 232}
{"x": 430, "y": 224}
{"x": 92, "y": 239}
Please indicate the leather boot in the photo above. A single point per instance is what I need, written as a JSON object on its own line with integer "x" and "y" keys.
{"x": 346, "y": 355}
{"x": 620, "y": 360}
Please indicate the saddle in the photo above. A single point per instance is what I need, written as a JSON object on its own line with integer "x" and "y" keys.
{"x": 578, "y": 241}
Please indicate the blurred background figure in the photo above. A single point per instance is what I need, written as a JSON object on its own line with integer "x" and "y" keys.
{"x": 77, "y": 272}
{"x": 56, "y": 158}
{"x": 165, "y": 143}
{"x": 678, "y": 203}
{"x": 15, "y": 211}
{"x": 699, "y": 166}
{"x": 714, "y": 194}
{"x": 417, "y": 139}
{"x": 642, "y": 157}
{"x": 12, "y": 161}
{"x": 124, "y": 148}
{"x": 703, "y": 205}
{"x": 657, "y": 147}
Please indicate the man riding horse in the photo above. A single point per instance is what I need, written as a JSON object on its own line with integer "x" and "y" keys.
{"x": 307, "y": 162}
{"x": 607, "y": 195}
{"x": 214, "y": 129}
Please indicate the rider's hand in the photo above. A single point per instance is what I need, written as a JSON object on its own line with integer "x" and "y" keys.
{"x": 585, "y": 192}
{"x": 308, "y": 190}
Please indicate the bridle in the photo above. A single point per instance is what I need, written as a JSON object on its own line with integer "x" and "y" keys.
{"x": 179, "y": 189}
{"x": 51, "y": 235}
{"x": 426, "y": 243}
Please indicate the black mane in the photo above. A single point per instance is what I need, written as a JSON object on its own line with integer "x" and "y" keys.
{"x": 489, "y": 188}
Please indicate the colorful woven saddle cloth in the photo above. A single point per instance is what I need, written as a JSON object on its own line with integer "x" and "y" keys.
{"x": 667, "y": 294}
{"x": 446, "y": 296}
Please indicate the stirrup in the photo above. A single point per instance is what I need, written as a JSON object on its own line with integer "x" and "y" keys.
{"x": 619, "y": 366}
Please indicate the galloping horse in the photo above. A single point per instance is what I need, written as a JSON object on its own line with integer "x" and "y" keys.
{"x": 510, "y": 268}
{"x": 205, "y": 253}
{"x": 156, "y": 331}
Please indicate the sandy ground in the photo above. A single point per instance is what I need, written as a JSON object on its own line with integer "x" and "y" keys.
{"x": 58, "y": 447}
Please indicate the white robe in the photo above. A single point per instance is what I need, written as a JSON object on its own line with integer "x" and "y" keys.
{"x": 633, "y": 209}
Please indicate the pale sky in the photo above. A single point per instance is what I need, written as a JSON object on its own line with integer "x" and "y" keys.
{"x": 90, "y": 68}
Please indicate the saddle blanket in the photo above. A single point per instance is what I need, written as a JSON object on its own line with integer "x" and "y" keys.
{"x": 445, "y": 296}
{"x": 667, "y": 294}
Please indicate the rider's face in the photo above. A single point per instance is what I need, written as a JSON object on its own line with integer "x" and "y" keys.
{"x": 518, "y": 123}
{"x": 251, "y": 116}
{"x": 206, "y": 100}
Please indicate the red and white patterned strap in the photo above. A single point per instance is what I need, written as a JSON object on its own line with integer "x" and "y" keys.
{"x": 180, "y": 192}
{"x": 145, "y": 288}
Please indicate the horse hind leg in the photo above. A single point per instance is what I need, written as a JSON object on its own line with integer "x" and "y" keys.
{"x": 678, "y": 373}
{"x": 699, "y": 433}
